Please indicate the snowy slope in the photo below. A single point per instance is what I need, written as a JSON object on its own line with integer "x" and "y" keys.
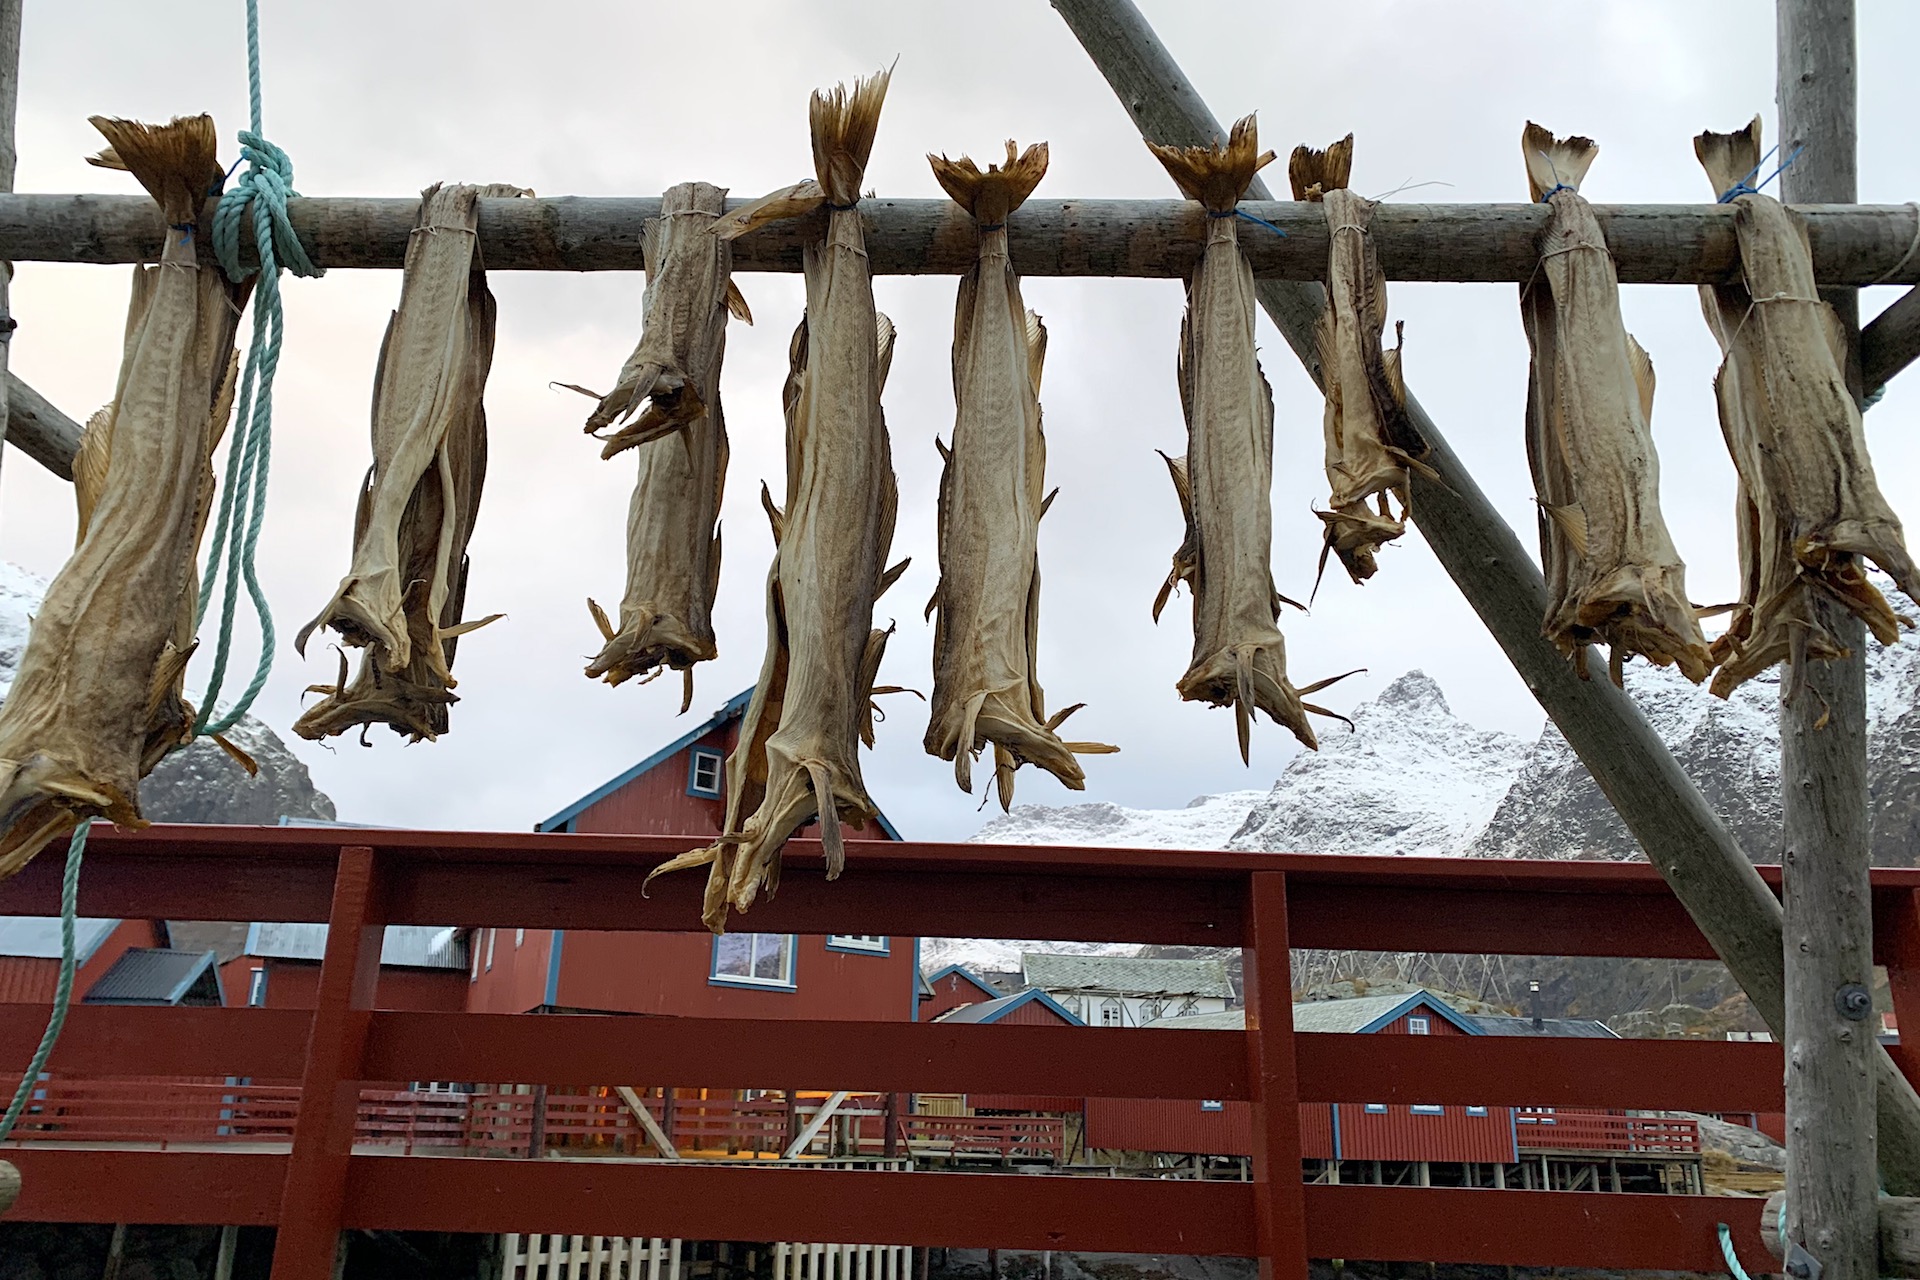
{"x": 1207, "y": 823}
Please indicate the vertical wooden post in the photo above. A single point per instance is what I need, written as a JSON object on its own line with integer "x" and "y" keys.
{"x": 1280, "y": 1201}
{"x": 1832, "y": 1187}
{"x": 1901, "y": 947}
{"x": 890, "y": 1120}
{"x": 9, "y": 112}
{"x": 314, "y": 1196}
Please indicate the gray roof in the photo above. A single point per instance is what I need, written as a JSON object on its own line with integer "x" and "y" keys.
{"x": 155, "y": 975}
{"x": 1579, "y": 1028}
{"x": 984, "y": 1011}
{"x": 38, "y": 937}
{"x": 412, "y": 946}
{"x": 1349, "y": 1015}
{"x": 225, "y": 938}
{"x": 1229, "y": 1020}
{"x": 1127, "y": 975}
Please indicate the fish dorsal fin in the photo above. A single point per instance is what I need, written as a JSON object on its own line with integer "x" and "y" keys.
{"x": 1555, "y": 162}
{"x": 1036, "y": 349}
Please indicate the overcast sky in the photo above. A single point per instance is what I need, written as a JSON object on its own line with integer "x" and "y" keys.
{"x": 628, "y": 98}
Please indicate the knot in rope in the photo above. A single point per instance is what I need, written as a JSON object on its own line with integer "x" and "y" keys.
{"x": 267, "y": 184}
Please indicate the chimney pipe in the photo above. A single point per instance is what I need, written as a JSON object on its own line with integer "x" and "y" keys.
{"x": 1533, "y": 1000}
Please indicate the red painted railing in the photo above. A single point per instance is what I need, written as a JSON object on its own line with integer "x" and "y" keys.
{"x": 1586, "y": 1131}
{"x": 1264, "y": 903}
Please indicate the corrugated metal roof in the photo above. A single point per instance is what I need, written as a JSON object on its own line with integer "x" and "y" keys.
{"x": 1127, "y": 975}
{"x": 38, "y": 937}
{"x": 1579, "y": 1028}
{"x": 152, "y": 975}
{"x": 411, "y": 946}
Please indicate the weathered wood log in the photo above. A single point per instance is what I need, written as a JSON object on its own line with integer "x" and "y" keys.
{"x": 1651, "y": 244}
{"x": 9, "y": 1185}
{"x": 1897, "y": 1229}
{"x": 1660, "y": 805}
{"x": 1892, "y": 341}
{"x": 1831, "y": 1183}
{"x": 9, "y": 110}
{"x": 38, "y": 429}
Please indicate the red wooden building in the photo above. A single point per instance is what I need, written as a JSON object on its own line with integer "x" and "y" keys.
{"x": 30, "y": 953}
{"x": 279, "y": 968}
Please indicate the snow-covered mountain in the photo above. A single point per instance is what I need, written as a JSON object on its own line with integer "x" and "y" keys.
{"x": 199, "y": 782}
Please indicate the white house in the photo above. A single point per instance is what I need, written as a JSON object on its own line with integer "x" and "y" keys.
{"x": 1124, "y": 991}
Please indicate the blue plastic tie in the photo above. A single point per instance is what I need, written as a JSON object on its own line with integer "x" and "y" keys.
{"x": 1742, "y": 187}
{"x": 266, "y": 186}
{"x": 1238, "y": 212}
{"x": 1558, "y": 186}
{"x": 63, "y": 989}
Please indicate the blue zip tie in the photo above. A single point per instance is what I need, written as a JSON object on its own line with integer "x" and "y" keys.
{"x": 1741, "y": 188}
{"x": 1238, "y": 212}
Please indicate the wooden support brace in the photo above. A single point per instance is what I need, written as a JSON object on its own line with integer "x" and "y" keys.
{"x": 1892, "y": 341}
{"x": 648, "y": 1125}
{"x": 1650, "y": 244}
{"x": 39, "y": 430}
{"x": 1660, "y": 805}
{"x": 314, "y": 1195}
{"x": 815, "y": 1125}
{"x": 9, "y": 111}
{"x": 1280, "y": 1205}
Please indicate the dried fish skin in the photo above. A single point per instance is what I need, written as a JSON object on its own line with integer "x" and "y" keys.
{"x": 1239, "y": 655}
{"x": 798, "y": 756}
{"x": 992, "y": 492}
{"x": 680, "y": 440}
{"x": 405, "y": 590}
{"x": 1366, "y": 413}
{"x": 1616, "y": 577}
{"x": 1810, "y": 496}
{"x": 96, "y": 700}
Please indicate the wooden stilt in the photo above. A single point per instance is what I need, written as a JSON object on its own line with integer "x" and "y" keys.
{"x": 1676, "y": 827}
{"x": 1831, "y": 1183}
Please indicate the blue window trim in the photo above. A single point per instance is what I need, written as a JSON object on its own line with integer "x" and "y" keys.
{"x": 1210, "y": 1104}
{"x": 694, "y": 756}
{"x": 1427, "y": 1109}
{"x": 1476, "y": 1111}
{"x": 716, "y": 979}
{"x": 885, "y": 947}
{"x": 1376, "y": 1108}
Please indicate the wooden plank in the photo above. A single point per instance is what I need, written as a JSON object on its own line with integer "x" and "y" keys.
{"x": 1280, "y": 1217}
{"x": 99, "y": 1040}
{"x": 644, "y": 1118}
{"x": 196, "y": 1188}
{"x": 35, "y": 427}
{"x": 9, "y": 113}
{"x": 1679, "y": 831}
{"x": 1686, "y": 244}
{"x": 1832, "y": 1179}
{"x": 813, "y": 1127}
{"x": 1892, "y": 341}
{"x": 315, "y": 1191}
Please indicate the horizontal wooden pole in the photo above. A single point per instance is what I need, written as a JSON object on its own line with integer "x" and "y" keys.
{"x": 39, "y": 430}
{"x": 1651, "y": 244}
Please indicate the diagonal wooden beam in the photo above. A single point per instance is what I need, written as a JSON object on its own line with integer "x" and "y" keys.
{"x": 661, "y": 1142}
{"x": 1892, "y": 341}
{"x": 1660, "y": 805}
{"x": 815, "y": 1125}
{"x": 38, "y": 429}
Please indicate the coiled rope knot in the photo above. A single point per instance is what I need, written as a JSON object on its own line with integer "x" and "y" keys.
{"x": 267, "y": 183}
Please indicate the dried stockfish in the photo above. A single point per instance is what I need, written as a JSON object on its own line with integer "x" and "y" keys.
{"x": 1613, "y": 574}
{"x": 1366, "y": 412}
{"x": 1239, "y": 655}
{"x": 404, "y": 593}
{"x": 799, "y": 752}
{"x": 1809, "y": 503}
{"x": 97, "y": 701}
{"x": 992, "y": 495}
{"x": 673, "y": 538}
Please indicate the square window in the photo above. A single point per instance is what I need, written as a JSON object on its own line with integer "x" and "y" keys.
{"x": 703, "y": 773}
{"x": 754, "y": 959}
{"x": 1419, "y": 1026}
{"x": 1476, "y": 1111}
{"x": 1376, "y": 1108}
{"x": 1426, "y": 1109}
{"x": 869, "y": 943}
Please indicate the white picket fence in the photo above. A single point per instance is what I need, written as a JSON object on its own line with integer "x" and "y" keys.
{"x": 545, "y": 1257}
{"x": 842, "y": 1262}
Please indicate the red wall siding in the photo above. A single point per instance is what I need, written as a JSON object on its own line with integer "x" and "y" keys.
{"x": 1161, "y": 1124}
{"x": 517, "y": 982}
{"x": 1401, "y": 1135}
{"x": 1033, "y": 1014}
{"x": 1437, "y": 1025}
{"x": 295, "y": 984}
{"x": 657, "y": 803}
{"x": 950, "y": 992}
{"x": 30, "y": 980}
{"x": 669, "y": 973}
{"x": 1316, "y": 1130}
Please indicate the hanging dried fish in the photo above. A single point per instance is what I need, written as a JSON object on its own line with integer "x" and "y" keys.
{"x": 1809, "y": 504}
{"x": 799, "y": 751}
{"x": 992, "y": 495}
{"x": 1239, "y": 655}
{"x": 673, "y": 536}
{"x": 1613, "y": 574}
{"x": 1366, "y": 398}
{"x": 404, "y": 594}
{"x": 97, "y": 701}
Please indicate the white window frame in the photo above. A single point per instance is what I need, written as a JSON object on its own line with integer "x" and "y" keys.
{"x": 1427, "y": 1109}
{"x": 1476, "y": 1111}
{"x": 1212, "y": 1104}
{"x": 1419, "y": 1025}
{"x": 1376, "y": 1108}
{"x": 705, "y": 756}
{"x": 257, "y": 987}
{"x": 491, "y": 935}
{"x": 519, "y": 938}
{"x": 1113, "y": 1012}
{"x": 787, "y": 942}
{"x": 866, "y": 944}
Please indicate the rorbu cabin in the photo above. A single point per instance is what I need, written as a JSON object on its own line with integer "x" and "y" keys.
{"x": 30, "y": 953}
{"x": 680, "y": 790}
{"x": 421, "y": 968}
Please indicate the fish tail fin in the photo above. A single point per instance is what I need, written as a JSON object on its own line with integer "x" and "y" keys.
{"x": 1555, "y": 162}
{"x": 1217, "y": 176}
{"x": 178, "y": 162}
{"x": 1312, "y": 172}
{"x": 843, "y": 124}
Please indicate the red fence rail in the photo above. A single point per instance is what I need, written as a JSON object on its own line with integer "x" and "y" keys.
{"x": 1585, "y": 1131}
{"x": 1264, "y": 902}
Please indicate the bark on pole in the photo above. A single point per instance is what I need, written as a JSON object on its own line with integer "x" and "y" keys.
{"x": 1831, "y": 1187}
{"x": 1678, "y": 830}
{"x": 9, "y": 109}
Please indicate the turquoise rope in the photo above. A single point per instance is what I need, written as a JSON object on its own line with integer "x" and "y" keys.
{"x": 63, "y": 990}
{"x": 266, "y": 186}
